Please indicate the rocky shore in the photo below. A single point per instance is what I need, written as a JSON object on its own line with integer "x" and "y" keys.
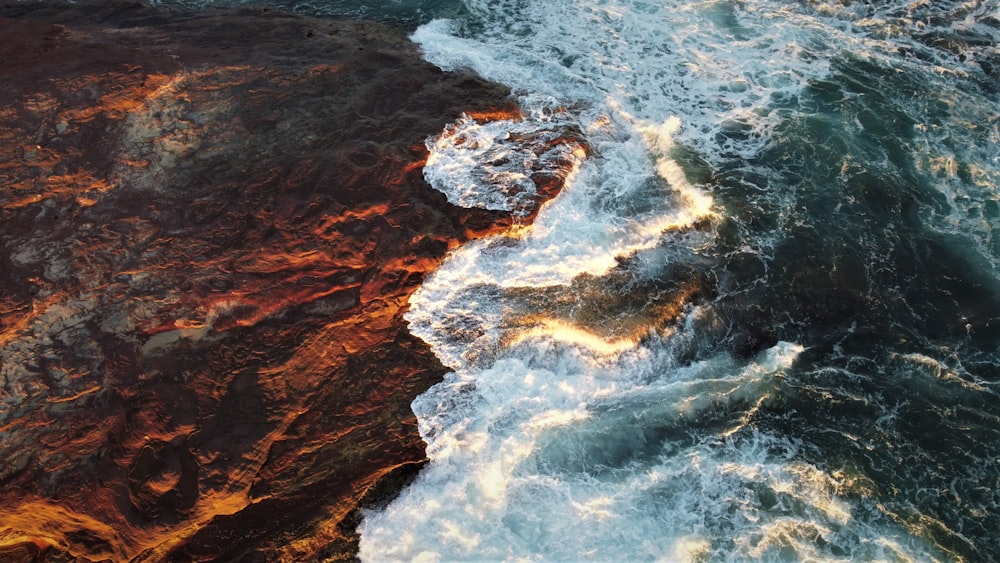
{"x": 210, "y": 225}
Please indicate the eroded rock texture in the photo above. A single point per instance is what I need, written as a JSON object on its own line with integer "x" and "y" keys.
{"x": 210, "y": 224}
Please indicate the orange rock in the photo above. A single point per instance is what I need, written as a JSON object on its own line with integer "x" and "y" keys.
{"x": 210, "y": 227}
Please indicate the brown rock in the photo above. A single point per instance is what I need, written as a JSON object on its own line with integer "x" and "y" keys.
{"x": 210, "y": 225}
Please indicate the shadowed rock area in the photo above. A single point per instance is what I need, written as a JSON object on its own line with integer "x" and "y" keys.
{"x": 210, "y": 225}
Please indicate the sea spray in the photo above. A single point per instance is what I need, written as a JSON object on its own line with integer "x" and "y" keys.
{"x": 812, "y": 171}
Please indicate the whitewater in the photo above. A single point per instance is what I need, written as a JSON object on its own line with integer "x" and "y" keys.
{"x": 650, "y": 372}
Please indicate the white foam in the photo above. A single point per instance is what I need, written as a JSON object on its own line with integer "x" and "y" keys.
{"x": 647, "y": 59}
{"x": 524, "y": 457}
{"x": 615, "y": 205}
{"x": 489, "y": 165}
{"x": 547, "y": 430}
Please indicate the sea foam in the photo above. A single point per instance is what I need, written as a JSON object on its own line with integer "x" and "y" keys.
{"x": 546, "y": 431}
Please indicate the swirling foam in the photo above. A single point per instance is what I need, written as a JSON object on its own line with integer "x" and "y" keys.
{"x": 544, "y": 431}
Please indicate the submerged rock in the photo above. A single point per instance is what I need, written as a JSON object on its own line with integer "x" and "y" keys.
{"x": 210, "y": 225}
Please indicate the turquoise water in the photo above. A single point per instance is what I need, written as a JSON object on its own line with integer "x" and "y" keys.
{"x": 816, "y": 185}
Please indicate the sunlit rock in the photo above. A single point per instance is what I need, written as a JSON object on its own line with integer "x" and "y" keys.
{"x": 210, "y": 225}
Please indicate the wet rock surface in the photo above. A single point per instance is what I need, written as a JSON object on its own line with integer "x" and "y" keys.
{"x": 210, "y": 224}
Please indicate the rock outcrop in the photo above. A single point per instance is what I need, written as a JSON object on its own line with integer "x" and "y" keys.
{"x": 210, "y": 224}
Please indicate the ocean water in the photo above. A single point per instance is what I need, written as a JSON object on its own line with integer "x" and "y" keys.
{"x": 761, "y": 322}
